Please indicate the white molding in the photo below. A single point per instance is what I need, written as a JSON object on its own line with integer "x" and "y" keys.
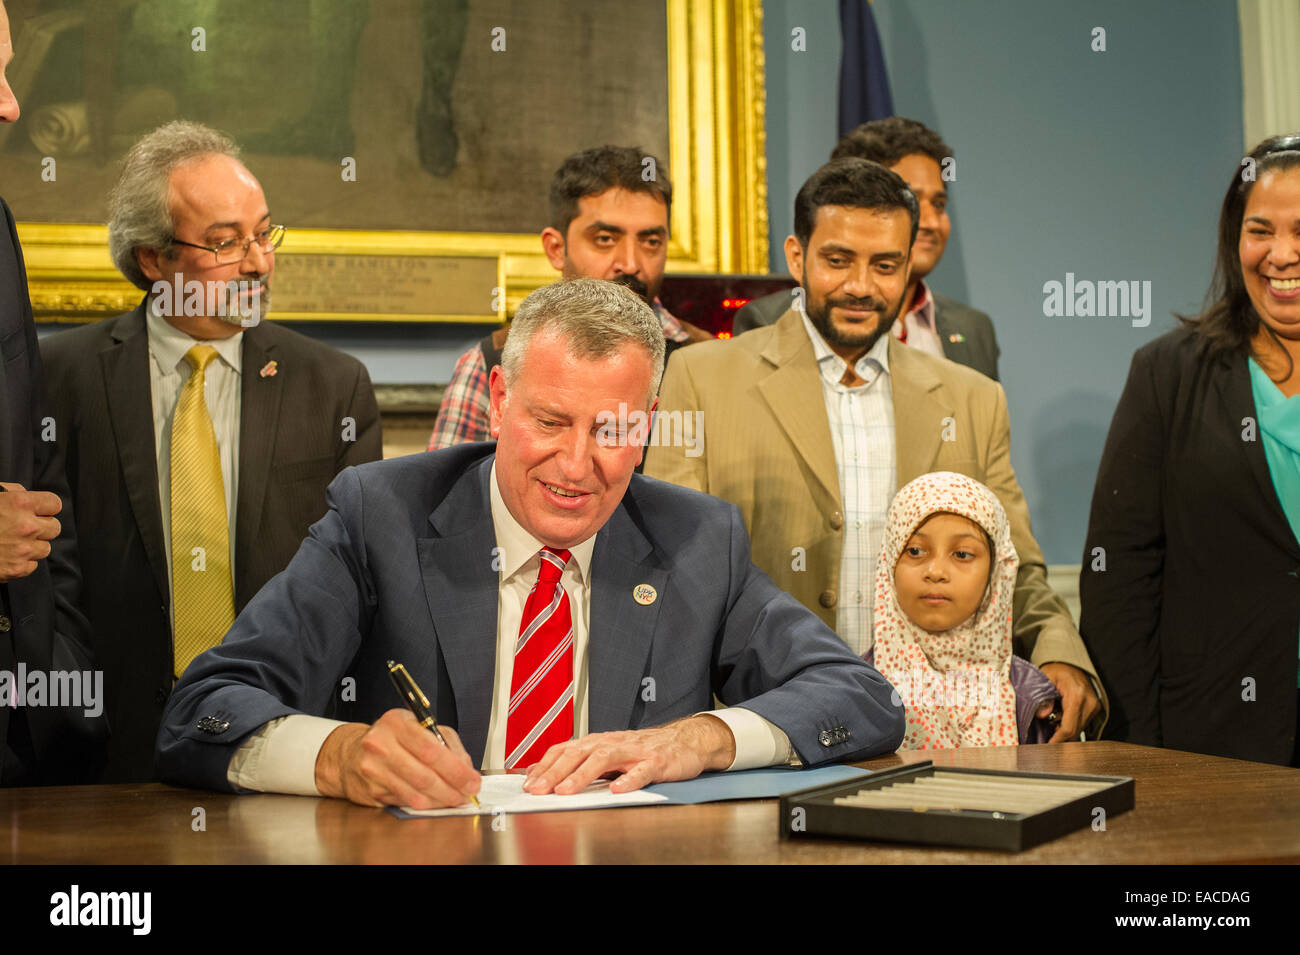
{"x": 1270, "y": 68}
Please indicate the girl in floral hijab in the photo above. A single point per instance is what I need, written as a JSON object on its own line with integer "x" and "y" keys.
{"x": 944, "y": 588}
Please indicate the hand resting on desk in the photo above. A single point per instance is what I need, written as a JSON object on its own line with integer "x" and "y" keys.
{"x": 679, "y": 750}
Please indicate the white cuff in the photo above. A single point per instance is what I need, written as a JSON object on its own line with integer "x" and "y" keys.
{"x": 758, "y": 742}
{"x": 281, "y": 756}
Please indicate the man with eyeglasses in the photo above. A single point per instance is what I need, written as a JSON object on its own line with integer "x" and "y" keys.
{"x": 198, "y": 438}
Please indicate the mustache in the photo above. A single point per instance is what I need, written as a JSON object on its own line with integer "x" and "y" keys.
{"x": 870, "y": 302}
{"x": 632, "y": 282}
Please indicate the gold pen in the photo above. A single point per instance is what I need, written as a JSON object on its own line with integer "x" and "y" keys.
{"x": 418, "y": 704}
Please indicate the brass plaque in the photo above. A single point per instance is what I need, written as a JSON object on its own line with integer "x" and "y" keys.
{"x": 394, "y": 286}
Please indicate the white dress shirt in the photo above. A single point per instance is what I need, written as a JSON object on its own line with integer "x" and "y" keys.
{"x": 281, "y": 756}
{"x": 918, "y": 323}
{"x": 861, "y": 420}
{"x": 518, "y": 560}
{"x": 168, "y": 373}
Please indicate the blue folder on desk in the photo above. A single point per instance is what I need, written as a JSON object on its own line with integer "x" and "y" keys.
{"x": 753, "y": 783}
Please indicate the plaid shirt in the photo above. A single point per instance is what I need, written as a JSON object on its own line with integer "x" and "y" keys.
{"x": 463, "y": 414}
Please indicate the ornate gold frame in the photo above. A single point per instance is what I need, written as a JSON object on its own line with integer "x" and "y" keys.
{"x": 716, "y": 158}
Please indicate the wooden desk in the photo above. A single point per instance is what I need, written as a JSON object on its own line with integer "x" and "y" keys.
{"x": 1190, "y": 809}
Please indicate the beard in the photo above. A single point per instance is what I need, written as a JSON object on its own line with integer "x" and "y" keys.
{"x": 644, "y": 292}
{"x": 636, "y": 285}
{"x": 851, "y": 337}
{"x": 250, "y": 317}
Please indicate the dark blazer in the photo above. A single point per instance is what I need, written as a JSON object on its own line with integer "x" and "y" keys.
{"x": 1199, "y": 598}
{"x": 290, "y": 447}
{"x": 966, "y": 333}
{"x": 401, "y": 568}
{"x": 40, "y": 625}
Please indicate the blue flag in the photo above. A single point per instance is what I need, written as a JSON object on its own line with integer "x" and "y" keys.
{"x": 864, "y": 84}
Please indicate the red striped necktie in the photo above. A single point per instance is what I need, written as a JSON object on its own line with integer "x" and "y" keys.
{"x": 541, "y": 683}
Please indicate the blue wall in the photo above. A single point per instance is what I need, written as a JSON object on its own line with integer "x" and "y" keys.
{"x": 1110, "y": 165}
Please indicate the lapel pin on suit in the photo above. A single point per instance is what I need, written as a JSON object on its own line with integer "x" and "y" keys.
{"x": 268, "y": 370}
{"x": 644, "y": 594}
{"x": 956, "y": 338}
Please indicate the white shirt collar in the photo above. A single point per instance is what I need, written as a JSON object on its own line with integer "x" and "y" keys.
{"x": 518, "y": 547}
{"x": 169, "y": 345}
{"x": 832, "y": 366}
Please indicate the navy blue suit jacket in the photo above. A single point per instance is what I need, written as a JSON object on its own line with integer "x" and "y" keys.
{"x": 401, "y": 567}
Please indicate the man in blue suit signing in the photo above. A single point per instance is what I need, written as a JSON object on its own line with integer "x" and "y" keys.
{"x": 562, "y": 613}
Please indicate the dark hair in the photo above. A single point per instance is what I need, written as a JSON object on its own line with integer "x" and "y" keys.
{"x": 856, "y": 183}
{"x": 592, "y": 171}
{"x": 886, "y": 141}
{"x": 1229, "y": 321}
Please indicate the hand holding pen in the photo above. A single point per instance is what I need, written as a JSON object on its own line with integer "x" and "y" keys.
{"x": 396, "y": 761}
{"x": 418, "y": 703}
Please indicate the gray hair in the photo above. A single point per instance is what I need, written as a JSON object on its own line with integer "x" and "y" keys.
{"x": 139, "y": 207}
{"x": 595, "y": 317}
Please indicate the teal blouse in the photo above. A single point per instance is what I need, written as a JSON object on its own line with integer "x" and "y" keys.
{"x": 1279, "y": 429}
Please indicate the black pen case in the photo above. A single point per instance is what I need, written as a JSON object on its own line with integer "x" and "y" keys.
{"x": 953, "y": 806}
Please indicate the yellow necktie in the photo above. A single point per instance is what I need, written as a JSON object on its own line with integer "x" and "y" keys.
{"x": 203, "y": 597}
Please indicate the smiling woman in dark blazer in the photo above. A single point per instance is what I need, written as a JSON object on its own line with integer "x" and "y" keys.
{"x": 1190, "y": 586}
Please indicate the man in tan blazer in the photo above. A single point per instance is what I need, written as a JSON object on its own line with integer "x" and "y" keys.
{"x": 782, "y": 436}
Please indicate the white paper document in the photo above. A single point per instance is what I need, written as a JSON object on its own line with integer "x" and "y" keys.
{"x": 505, "y": 793}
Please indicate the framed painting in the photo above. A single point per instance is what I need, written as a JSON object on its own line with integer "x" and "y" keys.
{"x": 407, "y": 144}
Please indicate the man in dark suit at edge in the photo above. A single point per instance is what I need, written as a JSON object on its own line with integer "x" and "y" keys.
{"x": 41, "y": 631}
{"x": 198, "y": 439}
{"x": 932, "y": 322}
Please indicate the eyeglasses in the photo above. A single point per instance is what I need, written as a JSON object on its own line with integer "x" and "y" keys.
{"x": 235, "y": 250}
